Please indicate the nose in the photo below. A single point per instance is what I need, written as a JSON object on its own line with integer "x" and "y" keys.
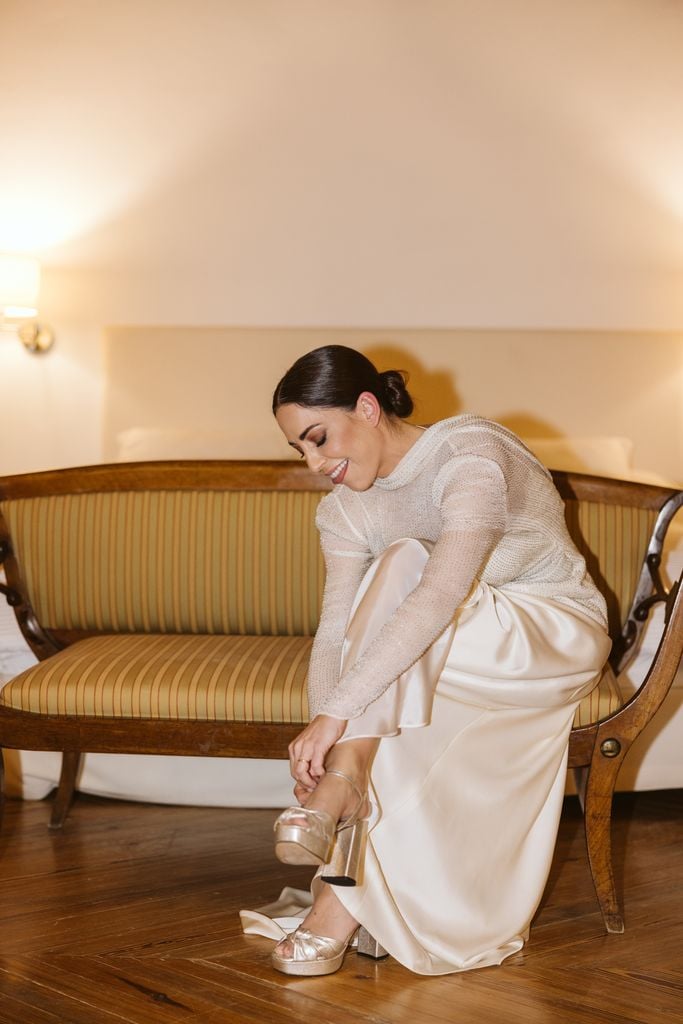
{"x": 315, "y": 462}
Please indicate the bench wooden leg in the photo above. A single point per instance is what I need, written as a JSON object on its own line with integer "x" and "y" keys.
{"x": 71, "y": 762}
{"x": 599, "y": 789}
{"x": 2, "y": 784}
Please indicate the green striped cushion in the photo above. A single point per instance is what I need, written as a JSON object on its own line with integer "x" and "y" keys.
{"x": 243, "y": 562}
{"x": 195, "y": 678}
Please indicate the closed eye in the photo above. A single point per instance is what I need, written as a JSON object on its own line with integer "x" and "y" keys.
{"x": 322, "y": 441}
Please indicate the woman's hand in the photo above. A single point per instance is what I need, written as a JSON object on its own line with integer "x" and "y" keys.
{"x": 302, "y": 793}
{"x": 308, "y": 751}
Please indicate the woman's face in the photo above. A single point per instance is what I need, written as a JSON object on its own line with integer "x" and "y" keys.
{"x": 347, "y": 446}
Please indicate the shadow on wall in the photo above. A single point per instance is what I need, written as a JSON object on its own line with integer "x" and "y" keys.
{"x": 436, "y": 396}
{"x": 556, "y": 386}
{"x": 528, "y": 426}
{"x": 433, "y": 391}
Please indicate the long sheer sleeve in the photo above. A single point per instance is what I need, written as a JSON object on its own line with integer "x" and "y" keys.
{"x": 471, "y": 494}
{"x": 346, "y": 561}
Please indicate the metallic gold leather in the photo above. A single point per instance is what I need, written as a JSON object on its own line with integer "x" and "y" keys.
{"x": 311, "y": 954}
{"x": 303, "y": 836}
{"x": 306, "y": 836}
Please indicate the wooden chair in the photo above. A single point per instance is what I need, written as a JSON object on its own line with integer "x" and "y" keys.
{"x": 620, "y": 527}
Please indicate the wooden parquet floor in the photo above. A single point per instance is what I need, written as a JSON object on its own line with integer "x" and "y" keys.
{"x": 130, "y": 915}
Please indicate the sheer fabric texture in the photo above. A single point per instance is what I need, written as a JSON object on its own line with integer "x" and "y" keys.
{"x": 491, "y": 511}
{"x": 460, "y": 625}
{"x": 468, "y": 781}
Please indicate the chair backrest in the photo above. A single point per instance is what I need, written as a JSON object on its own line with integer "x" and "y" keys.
{"x": 231, "y": 547}
{"x": 204, "y": 548}
{"x": 612, "y": 522}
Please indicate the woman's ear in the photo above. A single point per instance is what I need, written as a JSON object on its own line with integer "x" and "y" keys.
{"x": 368, "y": 408}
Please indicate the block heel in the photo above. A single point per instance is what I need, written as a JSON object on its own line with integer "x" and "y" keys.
{"x": 369, "y": 946}
{"x": 345, "y": 865}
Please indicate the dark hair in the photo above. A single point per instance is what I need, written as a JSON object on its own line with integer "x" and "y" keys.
{"x": 334, "y": 376}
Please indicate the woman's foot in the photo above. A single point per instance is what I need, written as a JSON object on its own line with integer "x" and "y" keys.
{"x": 308, "y": 835}
{"x": 336, "y": 797}
{"x": 327, "y": 917}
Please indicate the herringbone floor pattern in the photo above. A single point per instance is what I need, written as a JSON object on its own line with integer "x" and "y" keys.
{"x": 130, "y": 915}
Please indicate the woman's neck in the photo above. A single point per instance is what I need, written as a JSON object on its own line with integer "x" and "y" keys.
{"x": 399, "y": 439}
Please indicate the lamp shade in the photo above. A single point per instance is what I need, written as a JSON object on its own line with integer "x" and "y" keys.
{"x": 19, "y": 283}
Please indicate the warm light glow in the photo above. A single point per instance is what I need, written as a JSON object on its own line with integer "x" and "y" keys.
{"x": 19, "y": 284}
{"x": 19, "y": 312}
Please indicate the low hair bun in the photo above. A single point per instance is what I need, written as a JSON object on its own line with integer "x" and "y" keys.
{"x": 334, "y": 376}
{"x": 397, "y": 397}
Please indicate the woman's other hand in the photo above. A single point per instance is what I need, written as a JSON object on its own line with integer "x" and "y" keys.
{"x": 308, "y": 751}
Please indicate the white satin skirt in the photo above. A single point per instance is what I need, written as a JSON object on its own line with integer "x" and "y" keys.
{"x": 469, "y": 778}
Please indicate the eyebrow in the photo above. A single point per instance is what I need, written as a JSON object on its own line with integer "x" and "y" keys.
{"x": 302, "y": 437}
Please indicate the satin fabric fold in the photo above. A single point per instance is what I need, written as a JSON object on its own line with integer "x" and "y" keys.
{"x": 276, "y": 920}
{"x": 468, "y": 781}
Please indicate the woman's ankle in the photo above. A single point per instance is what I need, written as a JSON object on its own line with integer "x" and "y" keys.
{"x": 334, "y": 795}
{"x": 328, "y": 916}
{"x": 331, "y": 795}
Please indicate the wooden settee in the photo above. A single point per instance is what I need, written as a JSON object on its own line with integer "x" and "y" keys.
{"x": 172, "y": 607}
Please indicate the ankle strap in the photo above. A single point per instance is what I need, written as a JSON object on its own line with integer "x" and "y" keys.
{"x": 343, "y": 775}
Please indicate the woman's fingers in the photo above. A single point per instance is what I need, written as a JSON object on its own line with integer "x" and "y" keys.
{"x": 302, "y": 793}
{"x": 310, "y": 768}
{"x": 308, "y": 751}
{"x": 317, "y": 766}
{"x": 302, "y": 753}
{"x": 305, "y": 778}
{"x": 299, "y": 770}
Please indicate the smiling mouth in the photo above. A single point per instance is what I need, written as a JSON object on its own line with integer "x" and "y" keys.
{"x": 337, "y": 475}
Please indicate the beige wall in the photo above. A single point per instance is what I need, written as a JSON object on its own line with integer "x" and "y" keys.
{"x": 544, "y": 384}
{"x": 493, "y": 169}
{"x": 66, "y": 408}
{"x": 51, "y": 405}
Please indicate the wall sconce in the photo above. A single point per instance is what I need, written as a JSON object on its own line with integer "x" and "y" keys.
{"x": 19, "y": 284}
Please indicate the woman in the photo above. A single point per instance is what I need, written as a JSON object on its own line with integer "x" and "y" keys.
{"x": 458, "y": 633}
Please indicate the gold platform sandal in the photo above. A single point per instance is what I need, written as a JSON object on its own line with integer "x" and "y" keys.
{"x": 314, "y": 955}
{"x": 306, "y": 836}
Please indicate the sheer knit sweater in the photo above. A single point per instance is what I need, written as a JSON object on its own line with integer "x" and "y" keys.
{"x": 490, "y": 509}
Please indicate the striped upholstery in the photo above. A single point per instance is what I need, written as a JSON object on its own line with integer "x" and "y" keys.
{"x": 602, "y": 701}
{"x": 233, "y": 580}
{"x": 613, "y": 539}
{"x": 194, "y": 678}
{"x": 172, "y": 561}
{"x": 230, "y": 562}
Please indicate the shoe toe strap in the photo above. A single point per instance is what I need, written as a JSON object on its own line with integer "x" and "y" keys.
{"x": 308, "y": 946}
